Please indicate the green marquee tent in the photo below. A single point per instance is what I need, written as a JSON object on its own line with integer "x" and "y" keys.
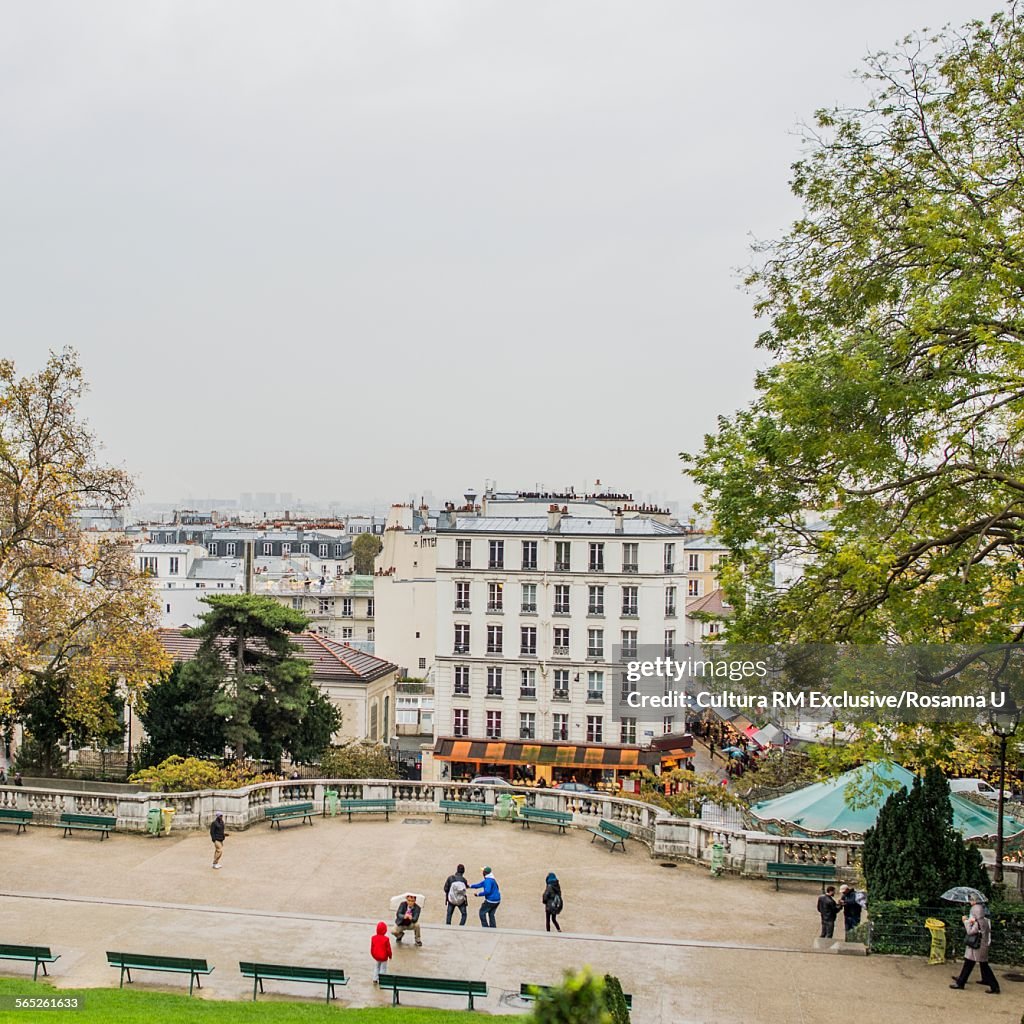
{"x": 822, "y": 809}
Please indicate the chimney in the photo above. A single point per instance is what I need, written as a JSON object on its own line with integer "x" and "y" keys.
{"x": 554, "y": 518}
{"x": 617, "y": 519}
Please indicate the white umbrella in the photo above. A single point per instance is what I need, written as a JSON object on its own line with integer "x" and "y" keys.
{"x": 397, "y": 901}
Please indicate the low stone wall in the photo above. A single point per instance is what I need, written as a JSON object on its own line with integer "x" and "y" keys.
{"x": 746, "y": 852}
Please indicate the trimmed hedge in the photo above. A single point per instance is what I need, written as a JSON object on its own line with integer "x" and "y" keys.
{"x": 897, "y": 926}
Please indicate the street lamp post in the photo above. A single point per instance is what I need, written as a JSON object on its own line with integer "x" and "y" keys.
{"x": 1003, "y": 722}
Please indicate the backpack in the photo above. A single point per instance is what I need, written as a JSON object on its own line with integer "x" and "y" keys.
{"x": 457, "y": 893}
{"x": 555, "y": 903}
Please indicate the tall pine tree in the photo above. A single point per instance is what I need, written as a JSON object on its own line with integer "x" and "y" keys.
{"x": 914, "y": 852}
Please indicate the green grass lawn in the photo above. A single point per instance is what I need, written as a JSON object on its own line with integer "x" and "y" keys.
{"x": 120, "y": 1006}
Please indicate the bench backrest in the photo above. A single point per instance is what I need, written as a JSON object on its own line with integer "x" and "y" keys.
{"x": 367, "y": 803}
{"x": 13, "y": 813}
{"x": 540, "y": 812}
{"x": 284, "y": 972}
{"x": 288, "y": 808}
{"x": 29, "y": 952}
{"x": 803, "y": 869}
{"x": 169, "y": 963}
{"x": 465, "y": 805}
{"x": 456, "y": 986}
{"x": 613, "y": 829}
{"x": 87, "y": 819}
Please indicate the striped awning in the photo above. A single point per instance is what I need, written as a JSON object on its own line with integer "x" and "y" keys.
{"x": 560, "y": 755}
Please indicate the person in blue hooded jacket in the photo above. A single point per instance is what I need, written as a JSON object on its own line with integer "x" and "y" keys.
{"x": 492, "y": 898}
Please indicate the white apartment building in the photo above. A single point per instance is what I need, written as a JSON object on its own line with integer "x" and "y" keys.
{"x": 405, "y": 591}
{"x": 340, "y": 608}
{"x": 182, "y": 575}
{"x": 534, "y": 616}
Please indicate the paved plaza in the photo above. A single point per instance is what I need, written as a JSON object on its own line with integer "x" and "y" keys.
{"x": 690, "y": 948}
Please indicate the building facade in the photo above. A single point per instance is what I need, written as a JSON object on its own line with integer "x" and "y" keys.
{"x": 536, "y": 616}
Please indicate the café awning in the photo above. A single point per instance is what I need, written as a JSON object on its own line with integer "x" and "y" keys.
{"x": 539, "y": 752}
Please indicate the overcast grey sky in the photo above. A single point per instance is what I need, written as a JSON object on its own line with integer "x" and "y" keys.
{"x": 362, "y": 250}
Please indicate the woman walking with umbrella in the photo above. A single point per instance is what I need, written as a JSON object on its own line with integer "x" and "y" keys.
{"x": 979, "y": 938}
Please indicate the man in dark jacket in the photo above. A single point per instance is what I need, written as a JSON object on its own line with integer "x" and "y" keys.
{"x": 408, "y": 917}
{"x": 456, "y": 894}
{"x": 829, "y": 910}
{"x": 217, "y": 835}
{"x": 851, "y": 908}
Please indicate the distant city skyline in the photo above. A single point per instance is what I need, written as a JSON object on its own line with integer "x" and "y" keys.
{"x": 363, "y": 249}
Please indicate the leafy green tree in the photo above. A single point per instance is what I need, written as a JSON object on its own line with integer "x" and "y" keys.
{"x": 358, "y": 761}
{"x": 49, "y": 716}
{"x": 265, "y": 690}
{"x": 180, "y": 715}
{"x": 580, "y": 999}
{"x": 365, "y": 549}
{"x": 914, "y": 852}
{"x": 894, "y": 405}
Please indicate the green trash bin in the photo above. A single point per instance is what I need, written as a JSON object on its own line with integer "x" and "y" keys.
{"x": 154, "y": 821}
{"x": 503, "y": 806}
{"x": 331, "y": 800}
{"x": 717, "y": 859}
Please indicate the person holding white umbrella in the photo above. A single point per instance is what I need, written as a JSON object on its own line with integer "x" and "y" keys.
{"x": 979, "y": 938}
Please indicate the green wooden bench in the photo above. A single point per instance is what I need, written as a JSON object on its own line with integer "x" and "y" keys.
{"x": 275, "y": 815}
{"x": 529, "y": 992}
{"x": 128, "y": 962}
{"x": 801, "y": 872}
{"x": 329, "y": 976}
{"x": 351, "y": 807}
{"x": 442, "y": 986}
{"x": 87, "y": 823}
{"x": 542, "y": 817}
{"x": 614, "y": 835}
{"x": 15, "y": 817}
{"x": 474, "y": 810}
{"x": 39, "y": 955}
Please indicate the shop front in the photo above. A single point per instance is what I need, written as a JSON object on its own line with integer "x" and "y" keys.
{"x": 540, "y": 763}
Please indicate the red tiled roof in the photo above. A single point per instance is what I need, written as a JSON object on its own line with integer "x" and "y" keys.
{"x": 331, "y": 661}
{"x": 709, "y": 604}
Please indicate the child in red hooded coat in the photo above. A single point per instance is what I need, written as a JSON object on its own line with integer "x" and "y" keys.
{"x": 380, "y": 950}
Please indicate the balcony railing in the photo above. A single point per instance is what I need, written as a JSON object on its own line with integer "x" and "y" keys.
{"x": 561, "y": 566}
{"x": 529, "y": 609}
{"x": 462, "y": 648}
{"x": 670, "y": 567}
{"x": 630, "y": 567}
{"x": 596, "y": 609}
{"x": 462, "y": 606}
{"x": 559, "y": 694}
{"x": 496, "y": 563}
{"x": 595, "y": 695}
{"x": 495, "y": 606}
{"x": 460, "y": 691}
{"x": 528, "y": 650}
{"x": 493, "y": 691}
{"x": 560, "y": 652}
{"x": 528, "y": 692}
{"x": 629, "y": 611}
{"x": 529, "y": 565}
{"x": 597, "y": 567}
{"x": 462, "y": 563}
{"x": 595, "y": 652}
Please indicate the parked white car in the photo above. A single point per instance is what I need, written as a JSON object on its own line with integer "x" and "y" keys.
{"x": 979, "y": 787}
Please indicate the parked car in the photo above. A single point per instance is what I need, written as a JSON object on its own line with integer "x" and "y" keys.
{"x": 979, "y": 787}
{"x": 575, "y": 787}
{"x": 490, "y": 780}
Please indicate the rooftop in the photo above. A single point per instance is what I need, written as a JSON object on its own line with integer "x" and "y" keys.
{"x": 568, "y": 526}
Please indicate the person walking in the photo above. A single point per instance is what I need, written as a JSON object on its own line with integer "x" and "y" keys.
{"x": 829, "y": 911}
{"x": 979, "y": 938}
{"x": 217, "y": 835}
{"x": 408, "y": 919}
{"x": 380, "y": 950}
{"x": 851, "y": 908}
{"x": 552, "y": 900}
{"x": 492, "y": 897}
{"x": 456, "y": 894}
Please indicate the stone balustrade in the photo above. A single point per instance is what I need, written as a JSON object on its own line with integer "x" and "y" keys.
{"x": 746, "y": 852}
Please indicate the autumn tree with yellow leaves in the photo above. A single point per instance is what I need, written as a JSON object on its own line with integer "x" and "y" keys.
{"x": 77, "y": 620}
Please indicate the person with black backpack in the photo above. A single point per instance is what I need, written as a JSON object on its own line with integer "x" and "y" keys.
{"x": 552, "y": 900}
{"x": 456, "y": 894}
